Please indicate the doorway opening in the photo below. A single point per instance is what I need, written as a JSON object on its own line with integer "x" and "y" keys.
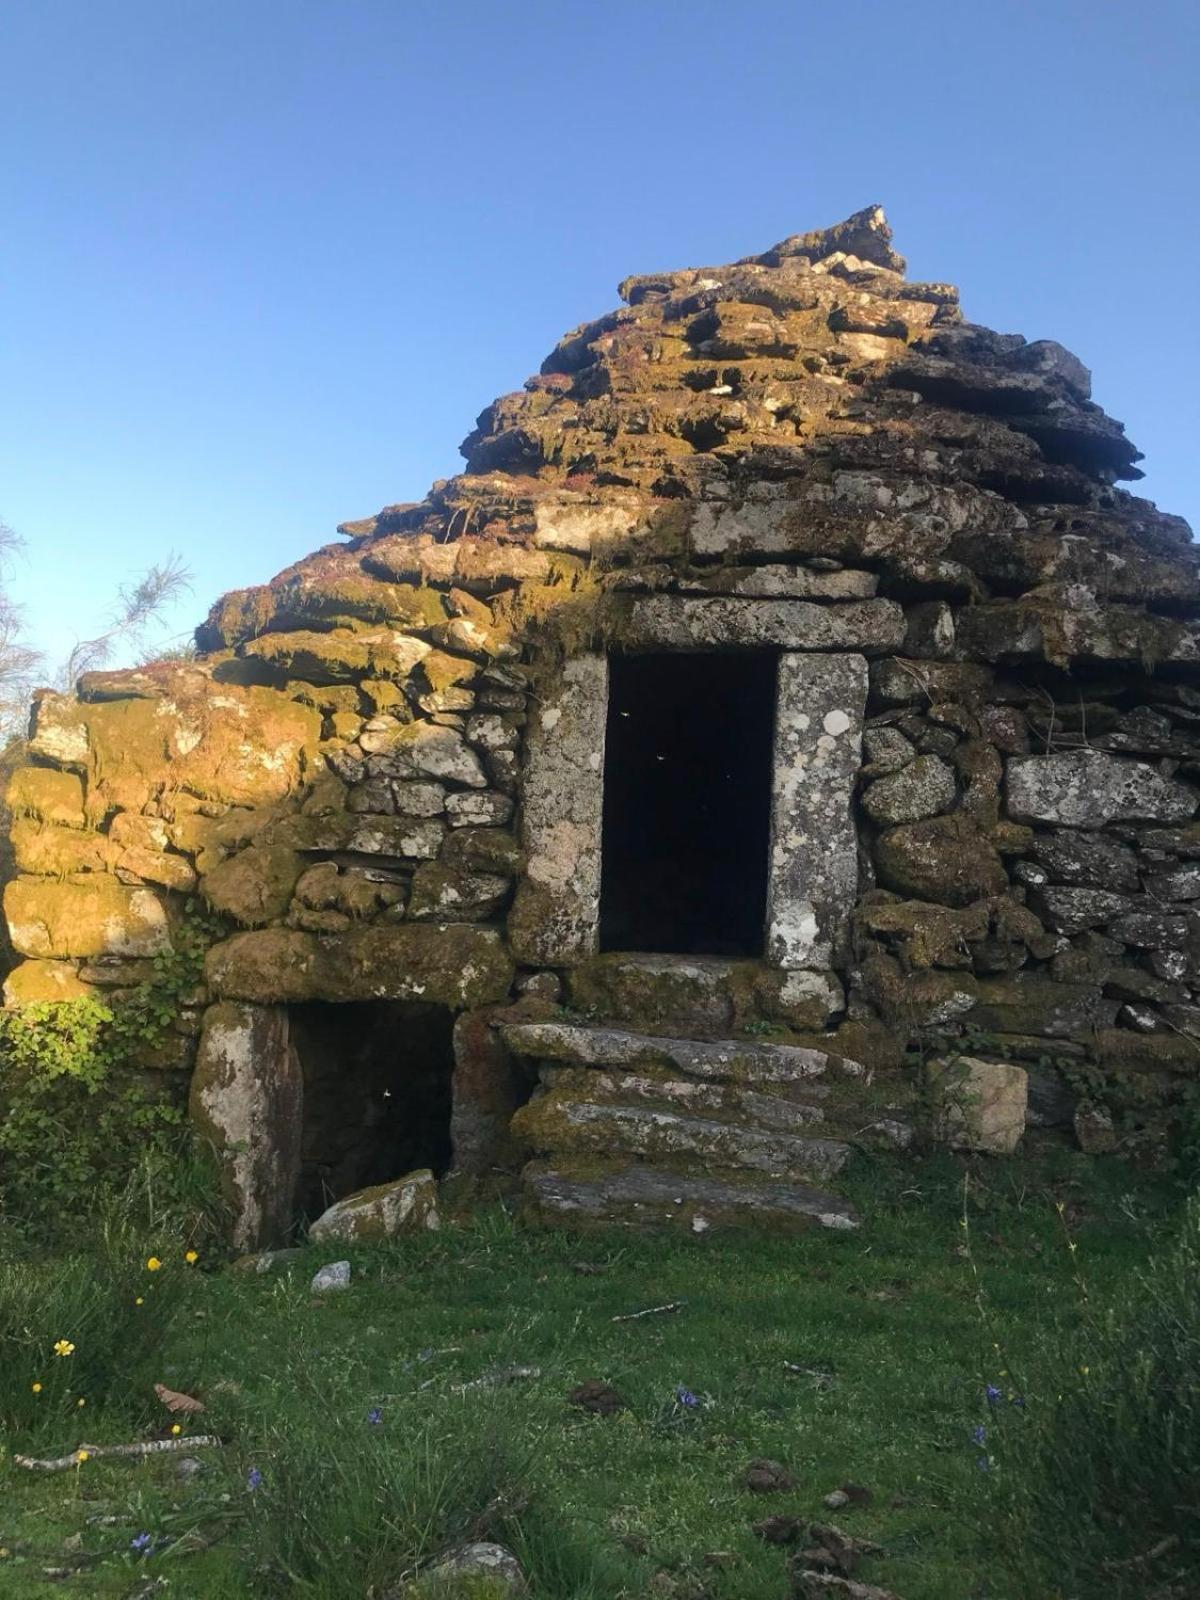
{"x": 377, "y": 1087}
{"x": 687, "y": 802}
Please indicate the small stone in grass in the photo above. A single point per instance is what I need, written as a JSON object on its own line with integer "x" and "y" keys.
{"x": 588, "y": 1269}
{"x": 188, "y": 1467}
{"x": 331, "y": 1278}
{"x": 810, "y": 1585}
{"x": 598, "y": 1397}
{"x": 767, "y": 1477}
{"x": 836, "y": 1499}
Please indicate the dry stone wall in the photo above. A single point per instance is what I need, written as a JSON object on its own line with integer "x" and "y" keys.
{"x": 801, "y": 451}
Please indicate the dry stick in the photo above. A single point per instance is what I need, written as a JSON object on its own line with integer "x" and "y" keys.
{"x": 150, "y": 1447}
{"x": 653, "y": 1311}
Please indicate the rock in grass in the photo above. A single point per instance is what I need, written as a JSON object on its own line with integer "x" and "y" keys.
{"x": 779, "y": 1530}
{"x": 492, "y": 1568}
{"x": 810, "y": 1585}
{"x": 850, "y": 1494}
{"x": 767, "y": 1477}
{"x": 598, "y": 1397}
{"x": 265, "y": 1261}
{"x": 332, "y": 1278}
{"x": 401, "y": 1206}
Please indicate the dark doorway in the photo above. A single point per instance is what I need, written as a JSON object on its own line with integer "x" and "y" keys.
{"x": 687, "y": 803}
{"x": 376, "y": 1095}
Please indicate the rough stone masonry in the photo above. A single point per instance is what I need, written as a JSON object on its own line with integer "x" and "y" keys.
{"x": 385, "y": 769}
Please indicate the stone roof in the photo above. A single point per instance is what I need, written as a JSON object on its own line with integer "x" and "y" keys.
{"x": 808, "y": 403}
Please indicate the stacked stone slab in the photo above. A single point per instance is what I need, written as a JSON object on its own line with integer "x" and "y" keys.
{"x": 383, "y": 766}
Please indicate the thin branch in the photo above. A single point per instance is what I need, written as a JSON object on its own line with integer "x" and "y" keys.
{"x": 138, "y": 606}
{"x": 89, "y": 1452}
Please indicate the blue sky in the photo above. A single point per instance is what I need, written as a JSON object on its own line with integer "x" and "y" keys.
{"x": 263, "y": 262}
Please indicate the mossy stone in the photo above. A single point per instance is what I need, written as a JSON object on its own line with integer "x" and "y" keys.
{"x": 51, "y": 796}
{"x": 254, "y": 886}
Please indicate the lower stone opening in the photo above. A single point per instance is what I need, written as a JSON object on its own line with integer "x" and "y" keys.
{"x": 687, "y": 802}
{"x": 377, "y": 1087}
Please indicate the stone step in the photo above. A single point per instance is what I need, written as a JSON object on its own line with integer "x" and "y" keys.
{"x": 699, "y": 996}
{"x": 560, "y": 1122}
{"x": 677, "y": 994}
{"x": 719, "y": 1060}
{"x": 633, "y": 1193}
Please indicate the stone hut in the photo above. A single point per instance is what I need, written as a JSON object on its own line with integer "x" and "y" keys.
{"x": 785, "y": 682}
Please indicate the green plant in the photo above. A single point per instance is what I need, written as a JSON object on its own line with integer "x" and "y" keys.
{"x": 1097, "y": 1465}
{"x": 79, "y": 1112}
{"x": 79, "y": 1332}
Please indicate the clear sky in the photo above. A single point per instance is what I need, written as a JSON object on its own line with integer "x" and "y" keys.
{"x": 263, "y": 261}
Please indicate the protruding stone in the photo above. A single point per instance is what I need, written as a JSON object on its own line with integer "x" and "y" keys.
{"x": 982, "y": 1104}
{"x": 1089, "y": 789}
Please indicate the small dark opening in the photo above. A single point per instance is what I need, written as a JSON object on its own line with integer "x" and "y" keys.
{"x": 687, "y": 803}
{"x": 377, "y": 1084}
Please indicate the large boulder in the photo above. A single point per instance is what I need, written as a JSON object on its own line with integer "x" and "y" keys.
{"x": 401, "y": 1206}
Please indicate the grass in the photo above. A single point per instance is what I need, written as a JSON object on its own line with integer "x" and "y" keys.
{"x": 849, "y": 1357}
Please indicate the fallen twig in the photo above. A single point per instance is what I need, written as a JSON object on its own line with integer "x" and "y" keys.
{"x": 149, "y": 1447}
{"x": 652, "y": 1311}
{"x": 496, "y": 1379}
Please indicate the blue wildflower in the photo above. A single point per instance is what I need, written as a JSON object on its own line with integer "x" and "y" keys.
{"x": 375, "y": 1416}
{"x": 979, "y": 1434}
{"x": 993, "y": 1395}
{"x": 685, "y": 1397}
{"x": 141, "y": 1543}
{"x": 253, "y": 1478}
{"x": 984, "y": 1464}
{"x": 1019, "y": 1401}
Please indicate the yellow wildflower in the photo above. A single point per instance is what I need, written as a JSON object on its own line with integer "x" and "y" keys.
{"x": 153, "y": 1264}
{"x": 82, "y": 1455}
{"x": 63, "y": 1347}
{"x": 81, "y": 1401}
{"x": 1084, "y": 1370}
{"x": 175, "y": 1428}
{"x": 36, "y": 1387}
{"x": 191, "y": 1257}
{"x": 139, "y": 1301}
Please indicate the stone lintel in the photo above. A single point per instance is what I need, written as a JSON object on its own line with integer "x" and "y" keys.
{"x": 454, "y": 964}
{"x": 674, "y": 622}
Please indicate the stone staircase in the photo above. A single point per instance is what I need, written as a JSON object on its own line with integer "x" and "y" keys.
{"x": 675, "y": 1121}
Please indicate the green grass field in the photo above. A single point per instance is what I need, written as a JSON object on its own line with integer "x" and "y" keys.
{"x": 377, "y": 1433}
